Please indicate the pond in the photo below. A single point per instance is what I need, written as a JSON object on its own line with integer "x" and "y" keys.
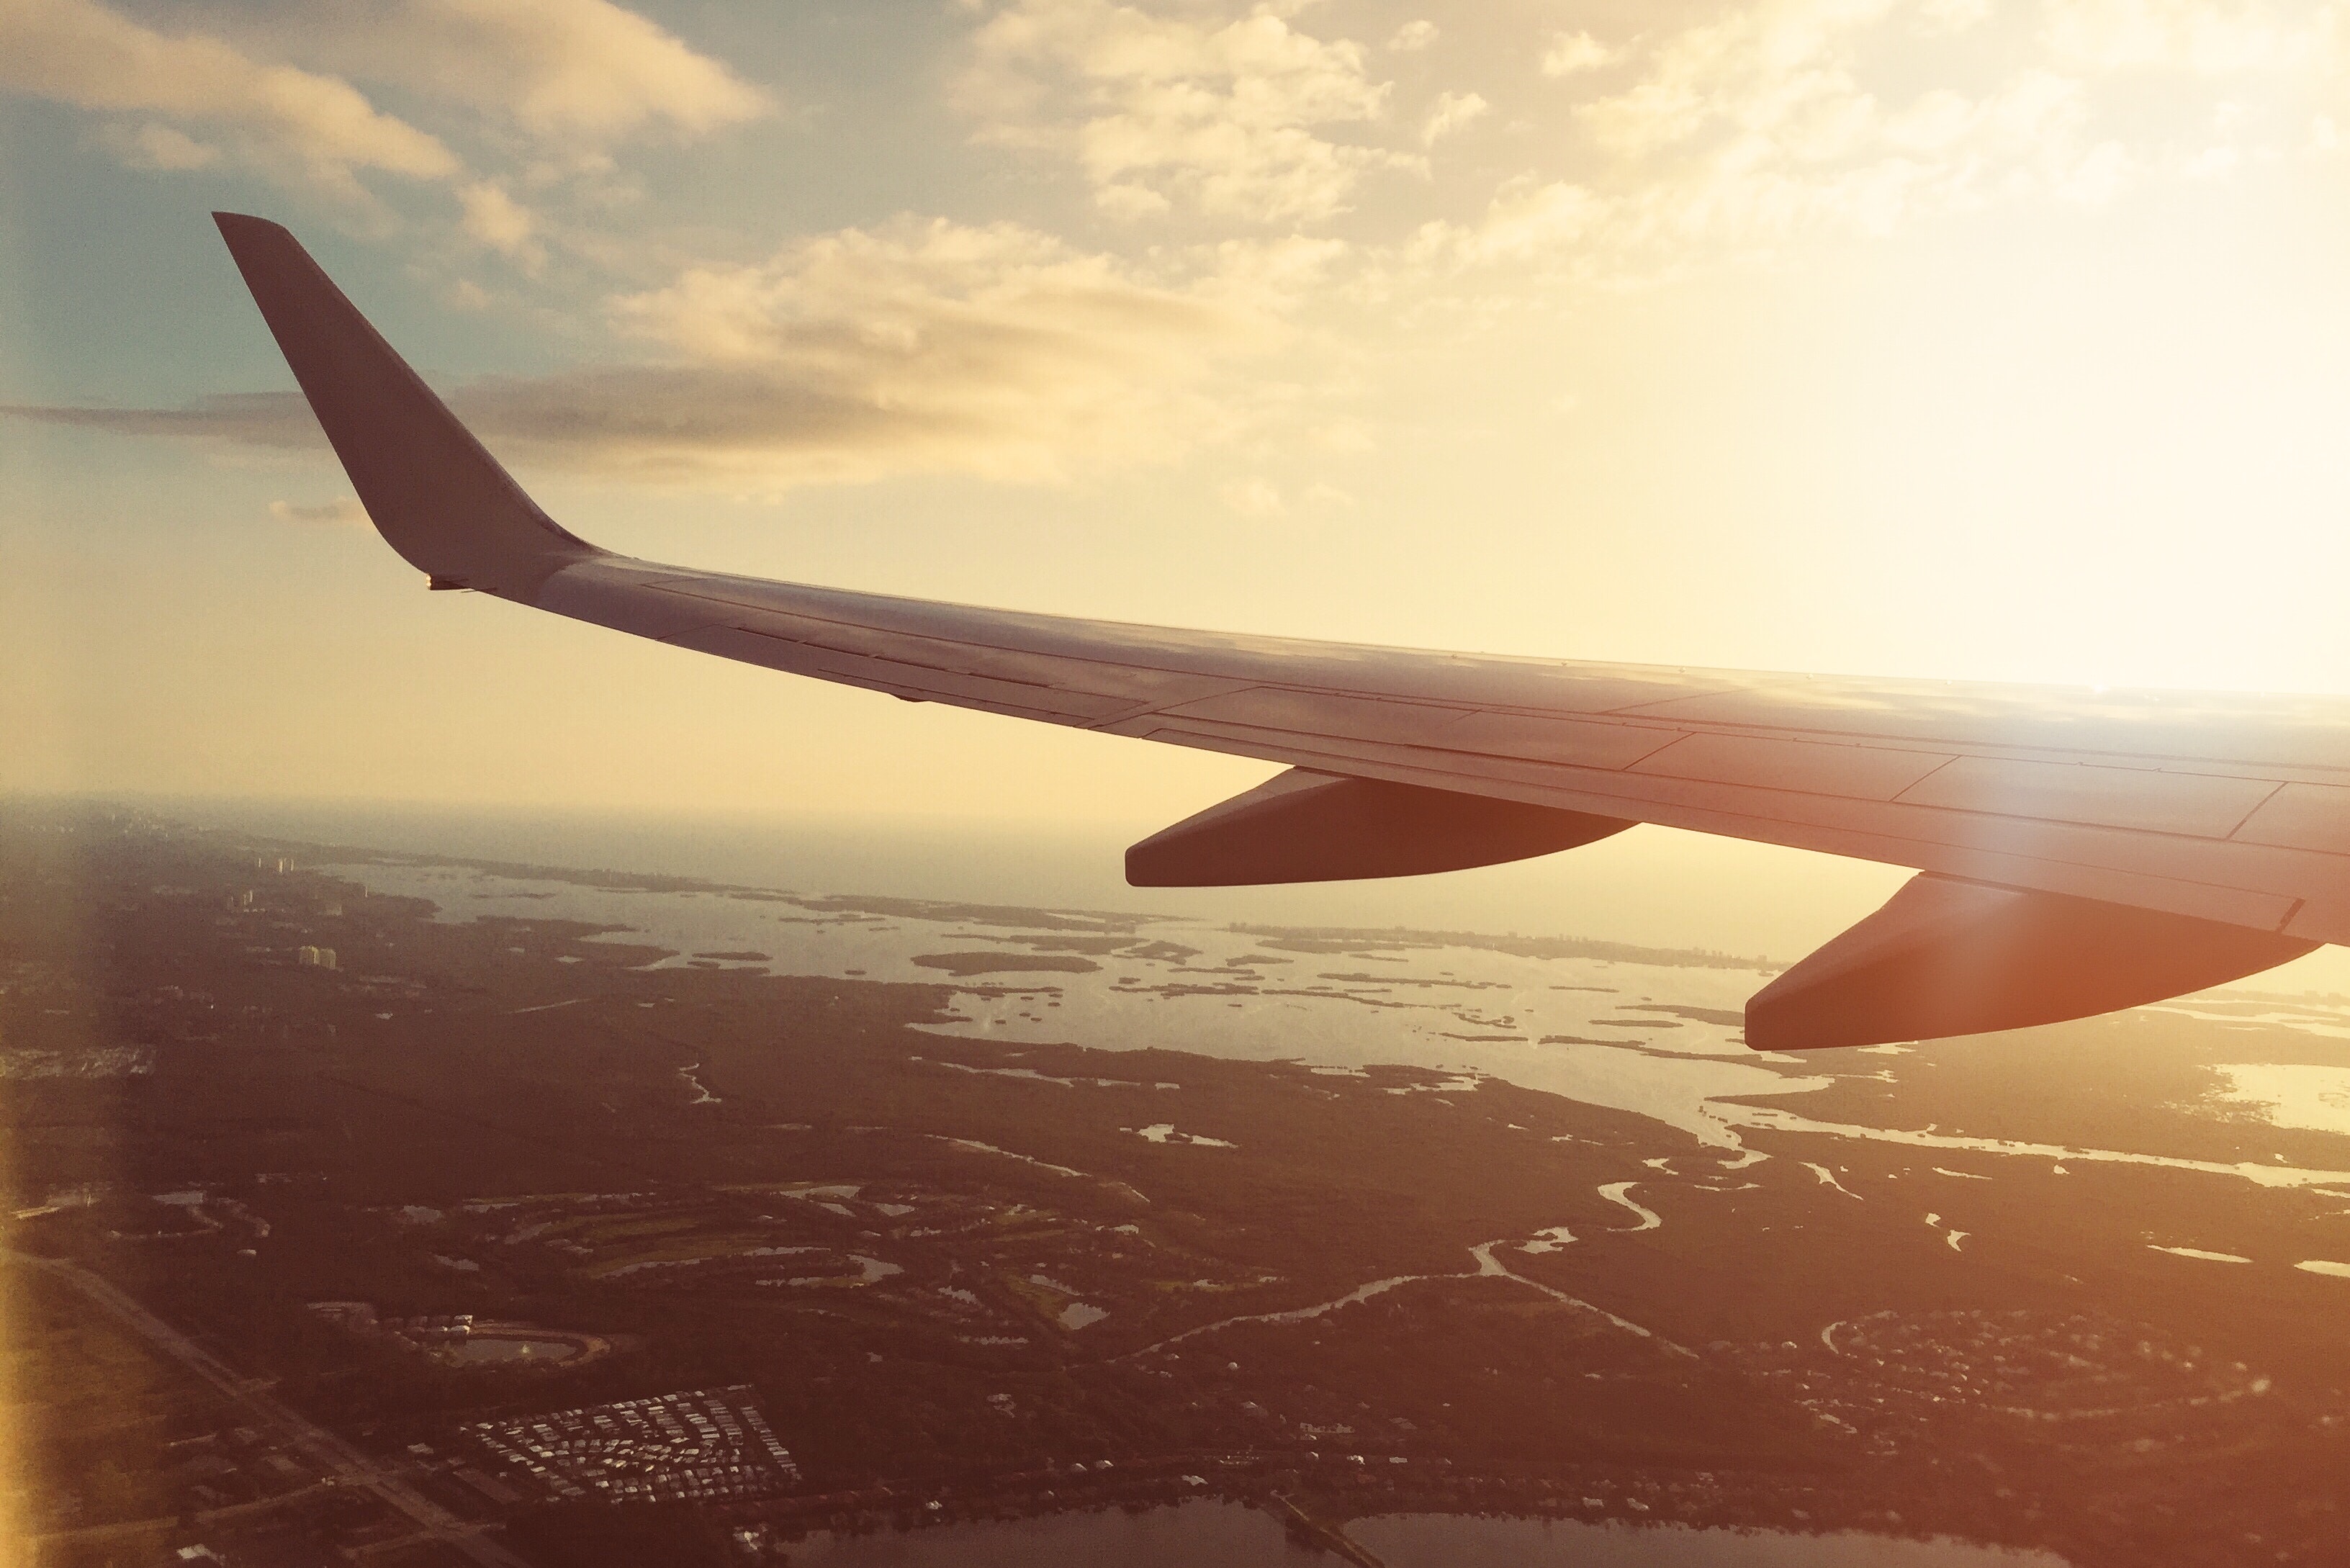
{"x": 492, "y": 1349}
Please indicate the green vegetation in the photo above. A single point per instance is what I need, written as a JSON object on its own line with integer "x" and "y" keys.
{"x": 101, "y": 1419}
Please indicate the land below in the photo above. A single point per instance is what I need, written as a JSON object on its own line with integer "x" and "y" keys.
{"x": 279, "y": 1223}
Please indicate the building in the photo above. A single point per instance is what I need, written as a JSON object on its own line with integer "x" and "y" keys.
{"x": 314, "y": 957}
{"x": 699, "y": 1445}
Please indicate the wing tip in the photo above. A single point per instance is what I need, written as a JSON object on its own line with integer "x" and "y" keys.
{"x": 236, "y": 227}
{"x": 434, "y": 494}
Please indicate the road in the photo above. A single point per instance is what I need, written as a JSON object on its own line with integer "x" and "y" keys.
{"x": 162, "y": 1523}
{"x": 1325, "y": 1535}
{"x": 332, "y": 1455}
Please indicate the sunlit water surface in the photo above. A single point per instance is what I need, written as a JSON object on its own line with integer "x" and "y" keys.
{"x": 1225, "y": 1534}
{"x": 1657, "y": 1039}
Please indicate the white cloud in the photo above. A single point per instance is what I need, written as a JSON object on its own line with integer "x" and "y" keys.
{"x": 275, "y": 89}
{"x": 1756, "y": 124}
{"x": 1779, "y": 70}
{"x": 1571, "y": 53}
{"x": 2097, "y": 178}
{"x": 1413, "y": 36}
{"x": 1452, "y": 112}
{"x": 345, "y": 512}
{"x": 497, "y": 220}
{"x": 2212, "y": 163}
{"x": 922, "y": 347}
{"x": 154, "y": 146}
{"x": 1740, "y": 130}
{"x": 1223, "y": 115}
{"x": 318, "y": 130}
{"x": 1953, "y": 15}
{"x": 1253, "y": 498}
{"x": 562, "y": 70}
{"x": 996, "y": 349}
{"x": 2202, "y": 36}
{"x": 1525, "y": 221}
{"x": 1939, "y": 119}
{"x": 1123, "y": 200}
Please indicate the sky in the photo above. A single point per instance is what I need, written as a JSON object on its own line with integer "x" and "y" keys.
{"x": 1985, "y": 338}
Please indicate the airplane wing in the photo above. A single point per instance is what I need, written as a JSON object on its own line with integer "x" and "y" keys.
{"x": 2078, "y": 850}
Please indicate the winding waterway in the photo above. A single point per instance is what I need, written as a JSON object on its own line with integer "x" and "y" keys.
{"x": 1657, "y": 1039}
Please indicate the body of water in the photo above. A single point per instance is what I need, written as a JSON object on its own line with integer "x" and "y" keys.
{"x": 1653, "y": 885}
{"x": 491, "y": 1349}
{"x": 1658, "y": 1039}
{"x": 1230, "y": 1535}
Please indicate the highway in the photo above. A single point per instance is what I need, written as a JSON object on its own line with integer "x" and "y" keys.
{"x": 336, "y": 1458}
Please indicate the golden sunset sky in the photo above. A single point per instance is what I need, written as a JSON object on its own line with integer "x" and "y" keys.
{"x": 1988, "y": 338}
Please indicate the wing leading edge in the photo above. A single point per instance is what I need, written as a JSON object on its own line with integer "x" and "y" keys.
{"x": 2152, "y": 838}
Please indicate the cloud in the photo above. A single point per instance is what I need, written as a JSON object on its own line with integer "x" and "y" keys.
{"x": 1741, "y": 129}
{"x": 159, "y": 147}
{"x": 1765, "y": 123}
{"x": 345, "y": 512}
{"x": 279, "y": 421}
{"x": 1222, "y": 116}
{"x": 1752, "y": 127}
{"x": 275, "y": 90}
{"x": 1738, "y": 130}
{"x": 1452, "y": 112}
{"x": 1253, "y": 498}
{"x": 1953, "y": 15}
{"x": 1413, "y": 36}
{"x": 1525, "y": 222}
{"x": 561, "y": 71}
{"x": 1570, "y": 53}
{"x": 2201, "y": 35}
{"x": 318, "y": 129}
{"x": 497, "y": 220}
{"x": 922, "y": 347}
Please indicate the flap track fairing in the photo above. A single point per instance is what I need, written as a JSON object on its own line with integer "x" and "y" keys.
{"x": 1307, "y": 826}
{"x": 1949, "y": 957}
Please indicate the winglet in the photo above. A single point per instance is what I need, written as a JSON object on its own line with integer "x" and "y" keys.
{"x": 435, "y": 494}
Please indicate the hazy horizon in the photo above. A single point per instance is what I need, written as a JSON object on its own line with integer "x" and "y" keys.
{"x": 1662, "y": 893}
{"x": 1651, "y": 886}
